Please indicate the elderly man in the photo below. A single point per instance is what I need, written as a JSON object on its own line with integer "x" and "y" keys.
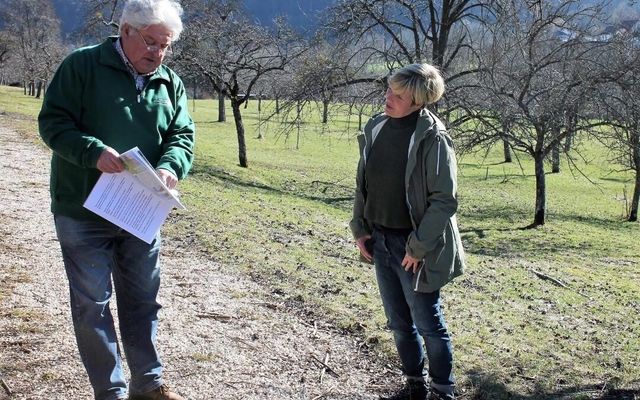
{"x": 102, "y": 101}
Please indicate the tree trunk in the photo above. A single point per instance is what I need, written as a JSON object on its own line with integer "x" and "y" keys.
{"x": 505, "y": 143}
{"x": 260, "y": 135}
{"x": 39, "y": 92}
{"x": 360, "y": 120}
{"x": 277, "y": 106}
{"x": 541, "y": 188}
{"x": 507, "y": 151}
{"x": 571, "y": 121}
{"x": 25, "y": 87}
{"x": 633, "y": 209}
{"x": 242, "y": 146}
{"x": 568, "y": 142}
{"x": 635, "y": 143}
{"x": 222, "y": 114}
{"x": 555, "y": 158}
{"x": 325, "y": 111}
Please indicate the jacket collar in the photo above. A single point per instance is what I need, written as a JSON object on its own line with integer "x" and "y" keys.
{"x": 426, "y": 122}
{"x": 109, "y": 56}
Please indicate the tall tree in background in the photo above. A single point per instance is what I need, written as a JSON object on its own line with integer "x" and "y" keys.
{"x": 221, "y": 44}
{"x": 101, "y": 20}
{"x": 540, "y": 67}
{"x": 7, "y": 45}
{"x": 393, "y": 33}
{"x": 35, "y": 30}
{"x": 620, "y": 100}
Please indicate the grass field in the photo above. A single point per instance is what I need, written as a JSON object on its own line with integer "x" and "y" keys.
{"x": 284, "y": 222}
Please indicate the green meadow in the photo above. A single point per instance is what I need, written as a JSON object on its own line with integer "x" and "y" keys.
{"x": 545, "y": 313}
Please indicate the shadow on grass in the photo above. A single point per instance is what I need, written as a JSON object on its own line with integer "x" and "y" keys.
{"x": 617, "y": 179}
{"x": 488, "y": 387}
{"x": 334, "y": 195}
{"x": 488, "y": 232}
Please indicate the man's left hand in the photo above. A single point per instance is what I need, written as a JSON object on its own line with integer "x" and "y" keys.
{"x": 411, "y": 264}
{"x": 168, "y": 178}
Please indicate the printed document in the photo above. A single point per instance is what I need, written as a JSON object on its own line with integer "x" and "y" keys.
{"x": 135, "y": 199}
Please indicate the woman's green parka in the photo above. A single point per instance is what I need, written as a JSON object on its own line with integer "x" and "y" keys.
{"x": 431, "y": 194}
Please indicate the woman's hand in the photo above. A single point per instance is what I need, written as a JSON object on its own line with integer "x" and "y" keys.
{"x": 410, "y": 263}
{"x": 363, "y": 249}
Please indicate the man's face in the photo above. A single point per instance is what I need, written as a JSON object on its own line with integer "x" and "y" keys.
{"x": 146, "y": 47}
{"x": 398, "y": 105}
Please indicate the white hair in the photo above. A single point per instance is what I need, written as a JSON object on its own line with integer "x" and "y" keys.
{"x": 142, "y": 13}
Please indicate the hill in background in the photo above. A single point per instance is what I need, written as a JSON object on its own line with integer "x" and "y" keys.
{"x": 303, "y": 15}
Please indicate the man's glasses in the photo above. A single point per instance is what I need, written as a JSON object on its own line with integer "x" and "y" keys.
{"x": 163, "y": 48}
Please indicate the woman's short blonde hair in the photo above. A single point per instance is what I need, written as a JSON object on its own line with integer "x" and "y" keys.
{"x": 423, "y": 81}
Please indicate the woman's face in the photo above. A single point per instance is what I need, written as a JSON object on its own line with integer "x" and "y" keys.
{"x": 146, "y": 47}
{"x": 398, "y": 105}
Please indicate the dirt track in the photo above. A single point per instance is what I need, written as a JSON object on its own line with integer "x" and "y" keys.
{"x": 221, "y": 336}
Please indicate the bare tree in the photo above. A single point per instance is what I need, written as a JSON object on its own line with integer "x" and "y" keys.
{"x": 223, "y": 45}
{"x": 621, "y": 102}
{"x": 37, "y": 40}
{"x": 392, "y": 33}
{"x": 100, "y": 19}
{"x": 539, "y": 70}
{"x": 6, "y": 45}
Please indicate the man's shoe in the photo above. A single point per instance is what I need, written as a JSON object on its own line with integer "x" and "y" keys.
{"x": 412, "y": 390}
{"x": 161, "y": 393}
{"x": 435, "y": 394}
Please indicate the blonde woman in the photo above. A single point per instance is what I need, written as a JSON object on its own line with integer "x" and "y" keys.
{"x": 404, "y": 222}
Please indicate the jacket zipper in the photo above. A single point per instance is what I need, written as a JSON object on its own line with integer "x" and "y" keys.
{"x": 438, "y": 158}
{"x": 418, "y": 278}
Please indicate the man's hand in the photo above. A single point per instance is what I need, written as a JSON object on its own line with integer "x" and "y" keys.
{"x": 363, "y": 250}
{"x": 109, "y": 161}
{"x": 410, "y": 263}
{"x": 167, "y": 177}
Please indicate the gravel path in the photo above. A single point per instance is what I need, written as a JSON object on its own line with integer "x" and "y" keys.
{"x": 221, "y": 336}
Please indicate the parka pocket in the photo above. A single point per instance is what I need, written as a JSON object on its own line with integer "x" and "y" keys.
{"x": 431, "y": 258}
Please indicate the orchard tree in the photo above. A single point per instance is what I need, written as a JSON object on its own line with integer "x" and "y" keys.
{"x": 223, "y": 45}
{"x": 35, "y": 29}
{"x": 393, "y": 33}
{"x": 538, "y": 73}
{"x": 620, "y": 100}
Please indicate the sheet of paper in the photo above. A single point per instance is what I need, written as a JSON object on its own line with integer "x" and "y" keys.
{"x": 135, "y": 200}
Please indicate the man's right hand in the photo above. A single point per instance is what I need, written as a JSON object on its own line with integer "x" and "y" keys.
{"x": 363, "y": 250}
{"x": 109, "y": 161}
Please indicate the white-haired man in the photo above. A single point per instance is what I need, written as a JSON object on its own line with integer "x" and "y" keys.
{"x": 102, "y": 101}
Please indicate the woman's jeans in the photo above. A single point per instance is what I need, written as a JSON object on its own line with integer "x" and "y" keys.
{"x": 93, "y": 253}
{"x": 413, "y": 317}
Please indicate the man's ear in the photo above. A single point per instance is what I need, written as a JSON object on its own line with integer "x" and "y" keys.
{"x": 125, "y": 28}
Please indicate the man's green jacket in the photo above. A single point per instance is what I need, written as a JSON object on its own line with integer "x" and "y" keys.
{"x": 92, "y": 103}
{"x": 431, "y": 186}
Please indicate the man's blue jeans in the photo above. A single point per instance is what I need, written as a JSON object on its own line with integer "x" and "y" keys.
{"x": 414, "y": 318}
{"x": 93, "y": 253}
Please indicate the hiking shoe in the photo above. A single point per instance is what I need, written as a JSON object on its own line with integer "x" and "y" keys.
{"x": 435, "y": 394}
{"x": 412, "y": 390}
{"x": 161, "y": 393}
